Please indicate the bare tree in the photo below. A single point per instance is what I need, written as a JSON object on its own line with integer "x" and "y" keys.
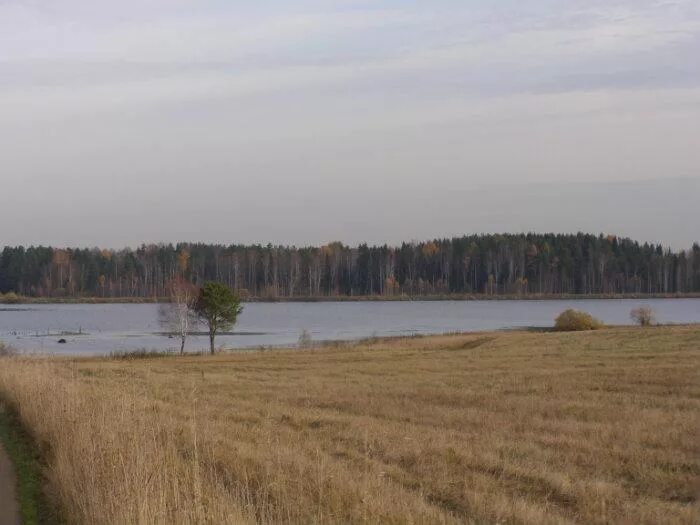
{"x": 305, "y": 339}
{"x": 178, "y": 316}
{"x": 643, "y": 316}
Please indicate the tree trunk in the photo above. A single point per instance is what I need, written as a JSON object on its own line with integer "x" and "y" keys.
{"x": 182, "y": 346}
{"x": 212, "y": 335}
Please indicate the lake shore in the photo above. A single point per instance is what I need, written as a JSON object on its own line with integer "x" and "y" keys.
{"x": 92, "y": 328}
{"x": 356, "y": 298}
{"x": 489, "y": 427}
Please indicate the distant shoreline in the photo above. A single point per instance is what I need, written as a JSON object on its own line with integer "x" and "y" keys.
{"x": 357, "y": 298}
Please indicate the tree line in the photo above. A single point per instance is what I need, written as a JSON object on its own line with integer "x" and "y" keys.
{"x": 511, "y": 264}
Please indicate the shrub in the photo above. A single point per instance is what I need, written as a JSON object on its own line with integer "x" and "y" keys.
{"x": 9, "y": 298}
{"x": 7, "y": 350}
{"x": 643, "y": 316}
{"x": 141, "y": 353}
{"x": 576, "y": 321}
{"x": 305, "y": 340}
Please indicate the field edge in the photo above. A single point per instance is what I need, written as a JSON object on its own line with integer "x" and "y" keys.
{"x": 25, "y": 456}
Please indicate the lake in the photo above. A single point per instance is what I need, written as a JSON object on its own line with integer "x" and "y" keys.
{"x": 103, "y": 328}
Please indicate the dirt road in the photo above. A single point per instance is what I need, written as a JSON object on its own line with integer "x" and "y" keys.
{"x": 9, "y": 510}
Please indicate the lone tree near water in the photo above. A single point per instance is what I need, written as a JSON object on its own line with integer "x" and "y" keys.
{"x": 178, "y": 316}
{"x": 218, "y": 307}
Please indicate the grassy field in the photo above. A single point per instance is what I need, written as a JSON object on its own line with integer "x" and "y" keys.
{"x": 518, "y": 427}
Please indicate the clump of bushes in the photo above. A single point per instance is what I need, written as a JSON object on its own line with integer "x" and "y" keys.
{"x": 141, "y": 353}
{"x": 7, "y": 350}
{"x": 643, "y": 316}
{"x": 576, "y": 321}
{"x": 9, "y": 298}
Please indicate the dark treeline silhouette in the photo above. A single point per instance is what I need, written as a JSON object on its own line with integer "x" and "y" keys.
{"x": 478, "y": 264}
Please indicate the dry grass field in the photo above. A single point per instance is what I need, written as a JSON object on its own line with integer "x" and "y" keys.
{"x": 521, "y": 427}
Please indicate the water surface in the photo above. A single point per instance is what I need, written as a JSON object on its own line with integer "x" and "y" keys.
{"x": 104, "y": 328}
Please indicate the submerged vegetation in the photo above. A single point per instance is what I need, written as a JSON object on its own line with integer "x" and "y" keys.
{"x": 516, "y": 427}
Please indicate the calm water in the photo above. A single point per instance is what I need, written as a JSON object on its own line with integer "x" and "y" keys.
{"x": 117, "y": 327}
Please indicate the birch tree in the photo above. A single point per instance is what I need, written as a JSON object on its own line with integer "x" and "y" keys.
{"x": 178, "y": 316}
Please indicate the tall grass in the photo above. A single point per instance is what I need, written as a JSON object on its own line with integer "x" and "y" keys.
{"x": 114, "y": 458}
{"x": 593, "y": 427}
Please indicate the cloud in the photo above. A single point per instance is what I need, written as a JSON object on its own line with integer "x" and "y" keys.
{"x": 147, "y": 103}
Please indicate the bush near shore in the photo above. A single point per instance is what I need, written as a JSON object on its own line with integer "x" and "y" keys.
{"x": 576, "y": 321}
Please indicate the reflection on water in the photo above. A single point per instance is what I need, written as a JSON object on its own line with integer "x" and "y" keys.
{"x": 104, "y": 328}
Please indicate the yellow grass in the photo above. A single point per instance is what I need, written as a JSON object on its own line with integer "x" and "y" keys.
{"x": 595, "y": 427}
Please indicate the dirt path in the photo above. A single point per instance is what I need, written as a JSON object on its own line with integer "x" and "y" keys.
{"x": 9, "y": 510}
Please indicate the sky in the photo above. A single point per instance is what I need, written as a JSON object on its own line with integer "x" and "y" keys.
{"x": 312, "y": 121}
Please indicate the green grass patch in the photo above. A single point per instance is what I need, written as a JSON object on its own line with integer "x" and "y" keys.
{"x": 34, "y": 509}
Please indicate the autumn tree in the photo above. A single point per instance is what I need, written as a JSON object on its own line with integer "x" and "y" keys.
{"x": 61, "y": 262}
{"x": 183, "y": 259}
{"x": 218, "y": 307}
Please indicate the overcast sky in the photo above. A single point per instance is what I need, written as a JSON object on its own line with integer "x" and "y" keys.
{"x": 311, "y": 121}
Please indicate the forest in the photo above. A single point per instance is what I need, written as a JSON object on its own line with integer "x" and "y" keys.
{"x": 491, "y": 265}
